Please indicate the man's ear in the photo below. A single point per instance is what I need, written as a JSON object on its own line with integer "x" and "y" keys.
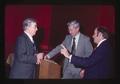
{"x": 100, "y": 34}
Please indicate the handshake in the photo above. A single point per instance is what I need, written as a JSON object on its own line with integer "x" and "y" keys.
{"x": 40, "y": 56}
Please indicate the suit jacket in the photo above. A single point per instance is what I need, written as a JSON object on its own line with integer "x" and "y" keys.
{"x": 98, "y": 64}
{"x": 84, "y": 49}
{"x": 24, "y": 60}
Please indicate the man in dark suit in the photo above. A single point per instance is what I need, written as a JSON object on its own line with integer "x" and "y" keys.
{"x": 98, "y": 65}
{"x": 26, "y": 57}
{"x": 76, "y": 43}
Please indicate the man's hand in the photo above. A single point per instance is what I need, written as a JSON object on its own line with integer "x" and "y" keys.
{"x": 46, "y": 57}
{"x": 64, "y": 51}
{"x": 82, "y": 73}
{"x": 39, "y": 57}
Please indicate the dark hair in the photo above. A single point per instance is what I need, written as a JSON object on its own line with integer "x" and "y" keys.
{"x": 104, "y": 31}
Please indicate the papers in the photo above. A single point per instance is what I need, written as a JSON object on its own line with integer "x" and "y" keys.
{"x": 50, "y": 61}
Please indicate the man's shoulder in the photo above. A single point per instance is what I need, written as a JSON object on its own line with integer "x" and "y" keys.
{"x": 84, "y": 36}
{"x": 22, "y": 36}
{"x": 68, "y": 36}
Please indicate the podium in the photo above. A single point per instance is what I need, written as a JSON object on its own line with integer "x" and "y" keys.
{"x": 49, "y": 69}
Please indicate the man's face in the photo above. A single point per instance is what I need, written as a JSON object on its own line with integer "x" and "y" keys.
{"x": 96, "y": 36}
{"x": 33, "y": 28}
{"x": 73, "y": 31}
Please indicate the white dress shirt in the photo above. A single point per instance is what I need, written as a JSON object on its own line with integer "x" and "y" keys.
{"x": 30, "y": 37}
{"x": 100, "y": 42}
{"x": 76, "y": 40}
{"x": 76, "y": 43}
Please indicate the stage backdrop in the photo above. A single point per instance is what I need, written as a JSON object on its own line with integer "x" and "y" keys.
{"x": 52, "y": 20}
{"x": 14, "y": 16}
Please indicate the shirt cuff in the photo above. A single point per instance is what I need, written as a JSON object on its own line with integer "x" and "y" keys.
{"x": 48, "y": 56}
{"x": 70, "y": 58}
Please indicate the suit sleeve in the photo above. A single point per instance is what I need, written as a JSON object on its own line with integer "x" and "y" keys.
{"x": 57, "y": 49}
{"x": 22, "y": 52}
{"x": 89, "y": 61}
{"x": 88, "y": 47}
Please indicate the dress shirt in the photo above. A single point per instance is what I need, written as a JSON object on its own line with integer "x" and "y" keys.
{"x": 76, "y": 40}
{"x": 30, "y": 37}
{"x": 100, "y": 42}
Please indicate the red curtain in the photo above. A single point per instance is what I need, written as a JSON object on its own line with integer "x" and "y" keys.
{"x": 15, "y": 14}
{"x": 53, "y": 19}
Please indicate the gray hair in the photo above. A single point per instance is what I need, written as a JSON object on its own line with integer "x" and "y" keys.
{"x": 74, "y": 23}
{"x": 27, "y": 22}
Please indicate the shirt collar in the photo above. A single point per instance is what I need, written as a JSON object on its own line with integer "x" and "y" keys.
{"x": 100, "y": 42}
{"x": 30, "y": 37}
{"x": 76, "y": 39}
{"x": 77, "y": 36}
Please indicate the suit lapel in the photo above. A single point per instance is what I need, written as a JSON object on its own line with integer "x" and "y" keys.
{"x": 30, "y": 42}
{"x": 69, "y": 44}
{"x": 79, "y": 44}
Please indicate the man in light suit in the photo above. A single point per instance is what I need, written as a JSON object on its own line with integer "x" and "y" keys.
{"x": 83, "y": 48}
{"x": 26, "y": 57}
{"x": 99, "y": 64}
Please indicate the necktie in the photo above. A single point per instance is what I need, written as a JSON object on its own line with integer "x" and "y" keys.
{"x": 73, "y": 47}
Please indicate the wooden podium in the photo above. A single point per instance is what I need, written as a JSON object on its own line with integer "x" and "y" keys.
{"x": 49, "y": 69}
